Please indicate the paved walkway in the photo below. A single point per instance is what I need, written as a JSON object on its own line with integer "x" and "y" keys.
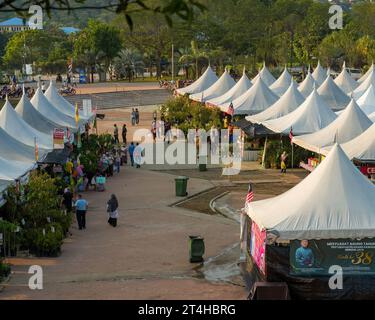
{"x": 146, "y": 257}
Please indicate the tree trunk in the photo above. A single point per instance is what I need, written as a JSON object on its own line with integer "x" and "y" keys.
{"x": 196, "y": 69}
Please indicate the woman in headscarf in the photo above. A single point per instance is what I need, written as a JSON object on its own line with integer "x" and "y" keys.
{"x": 112, "y": 206}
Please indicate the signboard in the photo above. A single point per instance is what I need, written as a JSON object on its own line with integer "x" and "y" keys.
{"x": 315, "y": 257}
{"x": 29, "y": 69}
{"x": 58, "y": 138}
{"x": 368, "y": 170}
{"x": 258, "y": 247}
{"x": 87, "y": 107}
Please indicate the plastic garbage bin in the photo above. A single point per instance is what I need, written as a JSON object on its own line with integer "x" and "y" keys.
{"x": 181, "y": 186}
{"x": 196, "y": 249}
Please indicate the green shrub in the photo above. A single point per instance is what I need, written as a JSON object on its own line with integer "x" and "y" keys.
{"x": 4, "y": 270}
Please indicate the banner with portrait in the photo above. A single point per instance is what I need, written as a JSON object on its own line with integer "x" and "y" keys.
{"x": 258, "y": 247}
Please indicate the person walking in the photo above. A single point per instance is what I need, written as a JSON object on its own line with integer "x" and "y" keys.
{"x": 81, "y": 209}
{"x": 132, "y": 117}
{"x": 283, "y": 158}
{"x": 124, "y": 133}
{"x": 131, "y": 153}
{"x": 136, "y": 116}
{"x": 112, "y": 206}
{"x": 115, "y": 134}
{"x": 67, "y": 200}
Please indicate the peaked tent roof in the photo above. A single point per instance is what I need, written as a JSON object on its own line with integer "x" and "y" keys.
{"x": 221, "y": 86}
{"x": 12, "y": 170}
{"x": 351, "y": 123}
{"x": 367, "y": 100}
{"x": 370, "y": 80}
{"x": 282, "y": 83}
{"x": 372, "y": 117}
{"x": 237, "y": 90}
{"x": 266, "y": 76}
{"x": 207, "y": 79}
{"x": 258, "y": 98}
{"x": 345, "y": 81}
{"x": 319, "y": 74}
{"x": 60, "y": 103}
{"x": 364, "y": 77}
{"x": 33, "y": 117}
{"x": 289, "y": 101}
{"x": 18, "y": 128}
{"x": 40, "y": 103}
{"x": 335, "y": 201}
{"x": 361, "y": 147}
{"x": 307, "y": 86}
{"x": 333, "y": 95}
{"x": 311, "y": 116}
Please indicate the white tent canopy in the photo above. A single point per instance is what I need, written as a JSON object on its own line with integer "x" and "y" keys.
{"x": 364, "y": 77}
{"x": 370, "y": 80}
{"x": 15, "y": 126}
{"x": 62, "y": 104}
{"x": 319, "y": 74}
{"x": 258, "y": 98}
{"x": 351, "y": 123}
{"x": 361, "y": 147}
{"x": 333, "y": 95}
{"x": 33, "y": 117}
{"x": 335, "y": 201}
{"x": 307, "y": 86}
{"x": 345, "y": 81}
{"x": 12, "y": 170}
{"x": 207, "y": 79}
{"x": 221, "y": 86}
{"x": 237, "y": 90}
{"x": 290, "y": 100}
{"x": 40, "y": 103}
{"x": 311, "y": 116}
{"x": 367, "y": 100}
{"x": 266, "y": 76}
{"x": 282, "y": 83}
{"x": 372, "y": 117}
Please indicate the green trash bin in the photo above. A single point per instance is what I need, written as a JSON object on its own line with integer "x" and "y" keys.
{"x": 196, "y": 249}
{"x": 181, "y": 186}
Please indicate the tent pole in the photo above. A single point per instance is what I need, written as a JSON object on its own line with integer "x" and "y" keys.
{"x": 264, "y": 153}
{"x": 292, "y": 155}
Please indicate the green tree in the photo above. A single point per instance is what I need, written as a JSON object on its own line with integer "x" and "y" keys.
{"x": 194, "y": 56}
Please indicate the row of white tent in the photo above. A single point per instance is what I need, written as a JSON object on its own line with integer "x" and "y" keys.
{"x": 29, "y": 126}
{"x": 306, "y": 109}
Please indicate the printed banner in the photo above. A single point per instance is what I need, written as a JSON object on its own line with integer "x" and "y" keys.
{"x": 258, "y": 247}
{"x": 315, "y": 257}
{"x": 58, "y": 138}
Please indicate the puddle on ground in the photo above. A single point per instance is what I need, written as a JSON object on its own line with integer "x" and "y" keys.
{"x": 222, "y": 268}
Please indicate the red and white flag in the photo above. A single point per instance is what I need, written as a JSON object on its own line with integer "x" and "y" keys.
{"x": 291, "y": 135}
{"x": 250, "y": 195}
{"x": 231, "y": 109}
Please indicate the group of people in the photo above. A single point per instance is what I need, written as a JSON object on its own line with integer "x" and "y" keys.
{"x": 134, "y": 117}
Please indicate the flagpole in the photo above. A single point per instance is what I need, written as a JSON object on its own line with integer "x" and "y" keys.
{"x": 292, "y": 155}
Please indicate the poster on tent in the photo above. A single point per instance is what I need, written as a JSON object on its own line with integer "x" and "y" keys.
{"x": 258, "y": 247}
{"x": 315, "y": 257}
{"x": 58, "y": 138}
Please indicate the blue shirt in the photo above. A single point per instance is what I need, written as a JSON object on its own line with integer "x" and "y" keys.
{"x": 131, "y": 149}
{"x": 304, "y": 257}
{"x": 81, "y": 205}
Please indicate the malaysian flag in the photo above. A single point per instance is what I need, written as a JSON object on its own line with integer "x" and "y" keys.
{"x": 291, "y": 135}
{"x": 250, "y": 195}
{"x": 230, "y": 109}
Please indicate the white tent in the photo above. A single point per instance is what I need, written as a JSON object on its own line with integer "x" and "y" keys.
{"x": 282, "y": 83}
{"x": 319, "y": 74}
{"x": 290, "y": 100}
{"x": 258, "y": 98}
{"x": 13, "y": 150}
{"x": 367, "y": 100}
{"x": 333, "y": 95}
{"x": 345, "y": 81}
{"x": 361, "y": 147}
{"x": 33, "y": 117}
{"x": 312, "y": 115}
{"x": 221, "y": 86}
{"x": 372, "y": 117}
{"x": 334, "y": 202}
{"x": 266, "y": 76}
{"x": 350, "y": 124}
{"x": 61, "y": 103}
{"x": 357, "y": 93}
{"x": 40, "y": 103}
{"x": 364, "y": 77}
{"x": 12, "y": 170}
{"x": 238, "y": 89}
{"x": 207, "y": 79}
{"x": 307, "y": 86}
{"x": 15, "y": 126}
